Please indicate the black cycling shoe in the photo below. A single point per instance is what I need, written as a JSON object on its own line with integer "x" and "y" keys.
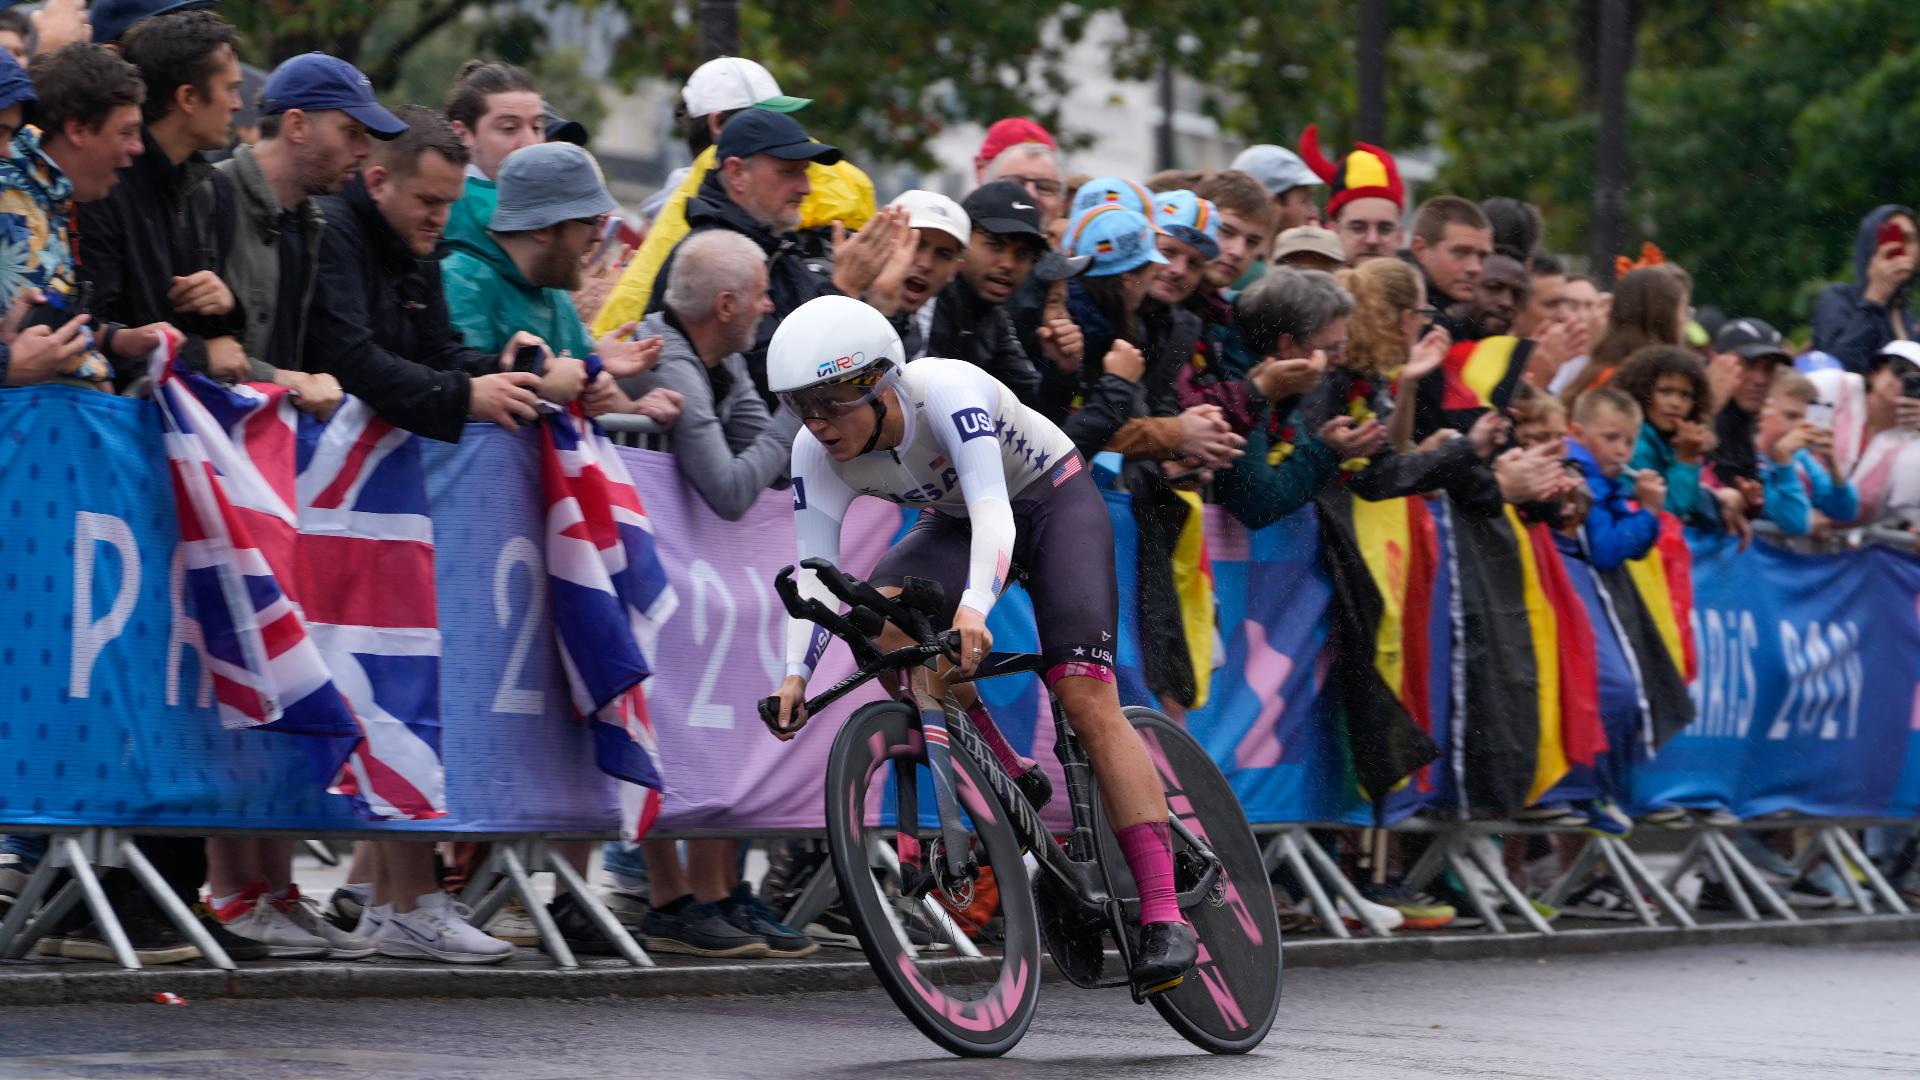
{"x": 1035, "y": 786}
{"x": 1168, "y": 950}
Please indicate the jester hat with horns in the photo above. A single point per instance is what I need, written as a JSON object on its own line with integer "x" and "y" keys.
{"x": 1368, "y": 172}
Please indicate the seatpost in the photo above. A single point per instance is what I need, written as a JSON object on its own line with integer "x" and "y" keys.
{"x": 1073, "y": 762}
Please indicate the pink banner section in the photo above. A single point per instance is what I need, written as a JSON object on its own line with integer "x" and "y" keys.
{"x": 725, "y": 648}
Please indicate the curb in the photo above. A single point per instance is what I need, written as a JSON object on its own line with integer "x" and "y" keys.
{"x": 25, "y": 983}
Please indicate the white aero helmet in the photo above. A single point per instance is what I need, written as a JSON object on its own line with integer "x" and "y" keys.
{"x": 832, "y": 355}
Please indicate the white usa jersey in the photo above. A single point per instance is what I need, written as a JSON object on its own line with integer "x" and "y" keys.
{"x": 968, "y": 448}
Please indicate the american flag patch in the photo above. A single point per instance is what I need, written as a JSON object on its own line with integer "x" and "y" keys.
{"x": 1065, "y": 470}
{"x": 1000, "y": 568}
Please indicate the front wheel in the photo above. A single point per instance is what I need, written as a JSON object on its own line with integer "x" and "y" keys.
{"x": 1227, "y": 1004}
{"x": 975, "y": 1007}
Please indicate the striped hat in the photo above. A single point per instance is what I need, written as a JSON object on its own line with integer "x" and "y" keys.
{"x": 1189, "y": 219}
{"x": 1367, "y": 173}
{"x": 1118, "y": 240}
{"x": 1115, "y": 191}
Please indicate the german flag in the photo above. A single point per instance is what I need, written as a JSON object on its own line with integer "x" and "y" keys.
{"x": 1382, "y": 557}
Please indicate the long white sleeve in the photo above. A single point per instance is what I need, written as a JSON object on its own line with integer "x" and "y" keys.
{"x": 820, "y": 501}
{"x": 961, "y": 411}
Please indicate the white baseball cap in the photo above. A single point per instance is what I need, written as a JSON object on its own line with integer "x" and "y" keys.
{"x": 728, "y": 83}
{"x": 932, "y": 210}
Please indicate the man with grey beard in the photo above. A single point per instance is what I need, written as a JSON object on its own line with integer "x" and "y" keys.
{"x": 756, "y": 191}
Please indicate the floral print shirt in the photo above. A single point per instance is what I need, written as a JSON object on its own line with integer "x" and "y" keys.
{"x": 36, "y": 240}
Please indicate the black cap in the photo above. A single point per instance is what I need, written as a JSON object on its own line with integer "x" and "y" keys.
{"x": 561, "y": 129}
{"x": 1750, "y": 339}
{"x": 1053, "y": 266}
{"x": 761, "y": 131}
{"x": 1004, "y": 208}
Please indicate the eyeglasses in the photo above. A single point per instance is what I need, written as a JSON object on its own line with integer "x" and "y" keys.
{"x": 1040, "y": 185}
{"x": 596, "y": 221}
{"x": 1428, "y": 312}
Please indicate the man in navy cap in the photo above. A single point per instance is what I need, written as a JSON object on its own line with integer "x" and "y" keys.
{"x": 317, "y": 115}
{"x": 756, "y": 191}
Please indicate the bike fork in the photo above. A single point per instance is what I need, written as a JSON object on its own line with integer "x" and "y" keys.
{"x": 933, "y": 729}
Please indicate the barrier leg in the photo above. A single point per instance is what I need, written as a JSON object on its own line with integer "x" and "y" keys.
{"x": 38, "y": 885}
{"x": 893, "y": 917}
{"x": 1662, "y": 896}
{"x": 1557, "y": 893}
{"x": 509, "y": 856}
{"x": 1737, "y": 885}
{"x": 1756, "y": 882}
{"x": 816, "y": 896}
{"x": 937, "y": 915}
{"x": 319, "y": 850}
{"x": 1516, "y": 900}
{"x": 1430, "y": 863}
{"x": 1878, "y": 881}
{"x": 1459, "y": 862}
{"x": 169, "y": 901}
{"x": 104, "y": 918}
{"x": 609, "y": 926}
{"x": 1861, "y": 900}
{"x": 1610, "y": 852}
{"x": 1693, "y": 853}
{"x": 1316, "y": 894}
{"x": 1330, "y": 870}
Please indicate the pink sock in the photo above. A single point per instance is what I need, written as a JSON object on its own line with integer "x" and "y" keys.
{"x": 996, "y": 742}
{"x": 1149, "y": 851}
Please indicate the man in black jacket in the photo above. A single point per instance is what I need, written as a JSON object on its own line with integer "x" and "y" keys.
{"x": 756, "y": 190}
{"x": 971, "y": 320}
{"x": 150, "y": 248}
{"x": 380, "y": 322}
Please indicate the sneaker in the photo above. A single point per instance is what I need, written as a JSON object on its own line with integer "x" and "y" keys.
{"x": 372, "y": 918}
{"x": 1545, "y": 911}
{"x": 1421, "y": 910}
{"x": 1717, "y": 818}
{"x": 577, "y": 928}
{"x": 1168, "y": 950}
{"x": 438, "y": 930}
{"x": 746, "y": 912}
{"x": 514, "y": 925}
{"x": 346, "y": 904}
{"x": 1603, "y": 898}
{"x": 832, "y": 927}
{"x": 14, "y": 872}
{"x": 691, "y": 928}
{"x": 1805, "y": 893}
{"x": 1569, "y": 816}
{"x": 628, "y": 906}
{"x": 154, "y": 938}
{"x": 1388, "y": 918}
{"x": 1823, "y": 880}
{"x": 261, "y": 920}
{"x": 1605, "y": 818}
{"x": 235, "y": 946}
{"x": 305, "y": 913}
{"x": 1668, "y": 817}
{"x": 1773, "y": 866}
{"x": 1716, "y": 896}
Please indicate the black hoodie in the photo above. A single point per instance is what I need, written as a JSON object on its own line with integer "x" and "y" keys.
{"x": 1848, "y": 325}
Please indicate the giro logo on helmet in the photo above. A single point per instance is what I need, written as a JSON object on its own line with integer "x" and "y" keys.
{"x": 844, "y": 363}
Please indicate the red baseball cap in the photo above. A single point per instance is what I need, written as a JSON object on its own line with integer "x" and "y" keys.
{"x": 1008, "y": 133}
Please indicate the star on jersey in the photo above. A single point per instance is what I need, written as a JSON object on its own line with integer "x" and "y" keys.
{"x": 1079, "y": 651}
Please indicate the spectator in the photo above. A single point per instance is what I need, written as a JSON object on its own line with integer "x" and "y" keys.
{"x": 1606, "y": 433}
{"x": 1112, "y": 190}
{"x": 495, "y": 109}
{"x": 1451, "y": 242}
{"x": 1297, "y": 319}
{"x": 757, "y": 190}
{"x": 1589, "y": 308}
{"x": 1748, "y": 352}
{"x": 1801, "y": 474}
{"x": 1648, "y": 307}
{"x": 88, "y": 115}
{"x": 933, "y": 233}
{"x": 38, "y": 353}
{"x": 970, "y": 319}
{"x": 1310, "y": 247}
{"x": 1288, "y": 181}
{"x": 1499, "y": 293}
{"x": 1853, "y": 321}
{"x": 1092, "y": 400}
{"x": 1215, "y": 373}
{"x": 1669, "y": 384}
{"x": 1366, "y": 197}
{"x": 1548, "y": 319}
{"x": 152, "y": 245}
{"x": 318, "y": 114}
{"x": 521, "y": 275}
{"x": 111, "y": 19}
{"x": 381, "y": 324}
{"x": 1020, "y": 150}
{"x": 1876, "y": 434}
{"x": 15, "y": 32}
{"x": 1516, "y": 225}
{"x": 716, "y": 91}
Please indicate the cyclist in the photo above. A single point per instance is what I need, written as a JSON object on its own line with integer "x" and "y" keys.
{"x": 998, "y": 485}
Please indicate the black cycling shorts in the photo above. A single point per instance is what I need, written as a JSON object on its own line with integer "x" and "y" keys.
{"x": 1063, "y": 544}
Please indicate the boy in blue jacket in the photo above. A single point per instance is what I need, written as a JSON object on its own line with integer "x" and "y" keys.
{"x": 1606, "y": 429}
{"x": 1796, "y": 460}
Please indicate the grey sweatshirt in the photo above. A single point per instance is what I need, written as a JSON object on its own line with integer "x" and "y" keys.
{"x": 729, "y": 449}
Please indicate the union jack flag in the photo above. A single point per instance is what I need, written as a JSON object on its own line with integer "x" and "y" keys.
{"x": 610, "y": 596}
{"x": 309, "y": 568}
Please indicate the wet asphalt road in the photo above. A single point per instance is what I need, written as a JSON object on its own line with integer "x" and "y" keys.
{"x": 1745, "y": 1012}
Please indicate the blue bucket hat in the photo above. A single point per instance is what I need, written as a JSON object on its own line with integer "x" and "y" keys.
{"x": 1117, "y": 239}
{"x": 1116, "y": 191}
{"x": 15, "y": 87}
{"x": 1189, "y": 219}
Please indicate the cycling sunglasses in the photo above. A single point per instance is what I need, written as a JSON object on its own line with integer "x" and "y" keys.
{"x": 830, "y": 403}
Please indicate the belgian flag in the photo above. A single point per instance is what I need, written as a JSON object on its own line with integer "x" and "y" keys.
{"x": 1498, "y": 650}
{"x": 1474, "y": 377}
{"x": 1382, "y": 557}
{"x": 1652, "y": 597}
{"x": 1572, "y": 692}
